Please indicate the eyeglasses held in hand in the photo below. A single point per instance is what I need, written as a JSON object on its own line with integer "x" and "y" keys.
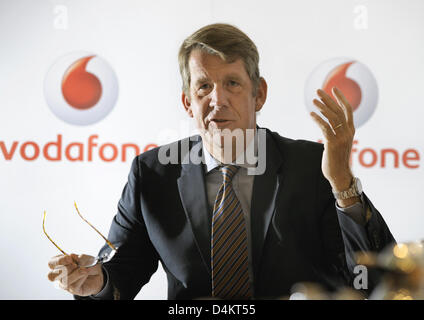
{"x": 99, "y": 259}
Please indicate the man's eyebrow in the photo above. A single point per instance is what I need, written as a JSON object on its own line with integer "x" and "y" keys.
{"x": 232, "y": 76}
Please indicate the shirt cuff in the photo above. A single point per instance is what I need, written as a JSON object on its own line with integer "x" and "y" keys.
{"x": 355, "y": 211}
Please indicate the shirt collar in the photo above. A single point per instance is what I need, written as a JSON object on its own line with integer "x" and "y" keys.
{"x": 212, "y": 163}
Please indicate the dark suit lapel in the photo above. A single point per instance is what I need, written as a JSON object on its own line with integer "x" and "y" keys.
{"x": 264, "y": 195}
{"x": 192, "y": 189}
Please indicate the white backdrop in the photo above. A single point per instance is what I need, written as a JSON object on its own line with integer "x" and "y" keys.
{"x": 139, "y": 40}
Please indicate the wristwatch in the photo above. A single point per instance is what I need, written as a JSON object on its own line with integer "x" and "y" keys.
{"x": 355, "y": 190}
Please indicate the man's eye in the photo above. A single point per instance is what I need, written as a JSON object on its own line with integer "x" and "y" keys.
{"x": 204, "y": 86}
{"x": 233, "y": 83}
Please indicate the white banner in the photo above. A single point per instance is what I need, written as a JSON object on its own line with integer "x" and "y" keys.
{"x": 57, "y": 146}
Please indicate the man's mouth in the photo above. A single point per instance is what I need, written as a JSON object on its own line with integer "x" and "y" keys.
{"x": 220, "y": 123}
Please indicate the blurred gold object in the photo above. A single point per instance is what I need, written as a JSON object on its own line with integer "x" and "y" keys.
{"x": 308, "y": 291}
{"x": 402, "y": 257}
{"x": 348, "y": 294}
{"x": 313, "y": 291}
{"x": 403, "y": 267}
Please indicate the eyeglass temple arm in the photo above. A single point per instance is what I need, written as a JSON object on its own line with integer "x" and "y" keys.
{"x": 110, "y": 244}
{"x": 48, "y": 237}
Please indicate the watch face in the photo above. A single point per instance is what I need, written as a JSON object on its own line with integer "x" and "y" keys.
{"x": 358, "y": 185}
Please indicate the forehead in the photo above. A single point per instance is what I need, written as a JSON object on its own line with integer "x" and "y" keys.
{"x": 204, "y": 65}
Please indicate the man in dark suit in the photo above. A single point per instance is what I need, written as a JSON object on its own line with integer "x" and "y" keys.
{"x": 220, "y": 225}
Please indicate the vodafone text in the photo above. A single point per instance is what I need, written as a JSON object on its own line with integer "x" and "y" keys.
{"x": 93, "y": 149}
{"x": 58, "y": 150}
{"x": 384, "y": 158}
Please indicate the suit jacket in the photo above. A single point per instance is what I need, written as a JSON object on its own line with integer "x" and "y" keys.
{"x": 297, "y": 233}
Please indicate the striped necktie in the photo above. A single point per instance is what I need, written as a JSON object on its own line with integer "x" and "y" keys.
{"x": 229, "y": 255}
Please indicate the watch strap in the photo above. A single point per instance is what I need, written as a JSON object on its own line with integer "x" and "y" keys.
{"x": 349, "y": 193}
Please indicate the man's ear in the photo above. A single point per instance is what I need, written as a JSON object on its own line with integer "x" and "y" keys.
{"x": 187, "y": 105}
{"x": 261, "y": 94}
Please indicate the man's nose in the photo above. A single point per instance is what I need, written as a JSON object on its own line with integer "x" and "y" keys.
{"x": 218, "y": 96}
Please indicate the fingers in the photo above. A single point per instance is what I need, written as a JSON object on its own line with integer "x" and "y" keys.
{"x": 342, "y": 104}
{"x": 74, "y": 281}
{"x": 339, "y": 114}
{"x": 69, "y": 277}
{"x": 72, "y": 276}
{"x": 327, "y": 112}
{"x": 52, "y": 275}
{"x": 60, "y": 260}
{"x": 341, "y": 99}
{"x": 83, "y": 272}
{"x": 61, "y": 271}
{"x": 75, "y": 286}
{"x": 84, "y": 260}
{"x": 339, "y": 130}
{"x": 325, "y": 127}
{"x": 94, "y": 270}
{"x": 83, "y": 281}
{"x": 60, "y": 265}
{"x": 330, "y": 103}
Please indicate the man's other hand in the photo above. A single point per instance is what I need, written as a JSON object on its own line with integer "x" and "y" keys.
{"x": 73, "y": 277}
{"x": 338, "y": 131}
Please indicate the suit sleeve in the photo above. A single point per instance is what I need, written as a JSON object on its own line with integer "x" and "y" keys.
{"x": 374, "y": 235}
{"x": 343, "y": 236}
{"x": 136, "y": 259}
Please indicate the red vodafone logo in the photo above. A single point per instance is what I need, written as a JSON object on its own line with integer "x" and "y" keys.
{"x": 81, "y": 88}
{"x": 337, "y": 78}
{"x": 353, "y": 78}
